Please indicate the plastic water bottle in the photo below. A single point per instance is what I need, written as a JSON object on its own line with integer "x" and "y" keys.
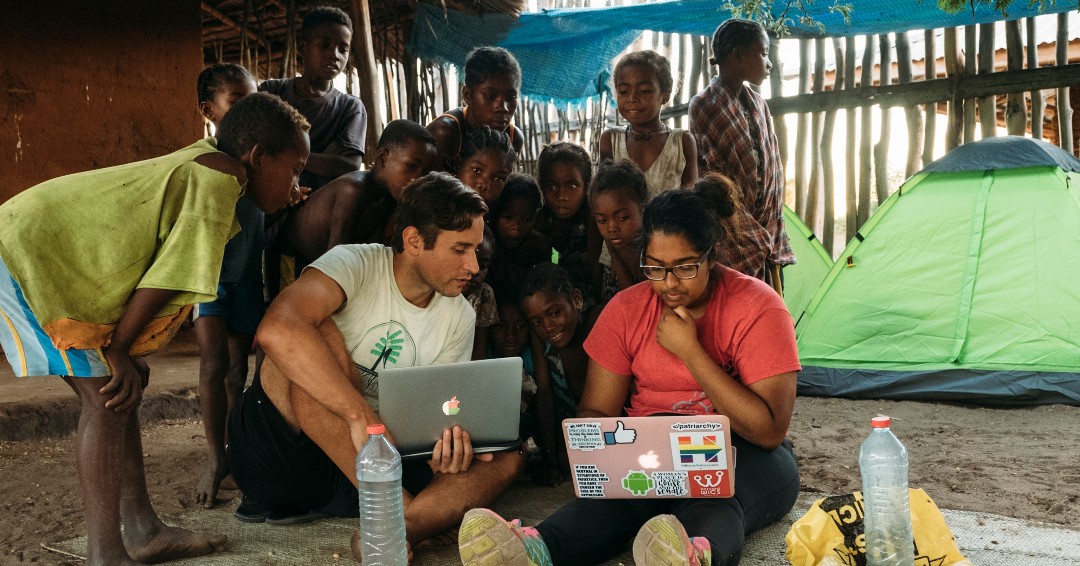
{"x": 883, "y": 463}
{"x": 382, "y": 515}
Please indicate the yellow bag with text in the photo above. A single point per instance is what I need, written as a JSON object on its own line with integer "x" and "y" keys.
{"x": 831, "y": 533}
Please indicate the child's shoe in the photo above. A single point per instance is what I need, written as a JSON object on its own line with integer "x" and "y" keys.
{"x": 662, "y": 541}
{"x": 486, "y": 539}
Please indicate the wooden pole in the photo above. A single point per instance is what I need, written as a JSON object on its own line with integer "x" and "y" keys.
{"x": 987, "y": 104}
{"x": 288, "y": 59}
{"x": 881, "y": 150}
{"x": 866, "y": 120}
{"x": 912, "y": 113}
{"x": 930, "y": 110}
{"x": 800, "y": 131}
{"x": 776, "y": 88}
{"x": 954, "y": 67}
{"x": 829, "y": 218}
{"x": 370, "y": 84}
{"x": 1036, "y": 95}
{"x": 1015, "y": 107}
{"x": 851, "y": 204}
{"x": 1064, "y": 105}
{"x": 411, "y": 74}
{"x": 814, "y": 187}
{"x": 970, "y": 57}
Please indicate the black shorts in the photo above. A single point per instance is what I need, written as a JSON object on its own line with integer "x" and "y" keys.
{"x": 285, "y": 471}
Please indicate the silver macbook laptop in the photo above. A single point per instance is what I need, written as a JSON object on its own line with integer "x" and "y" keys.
{"x": 483, "y": 396}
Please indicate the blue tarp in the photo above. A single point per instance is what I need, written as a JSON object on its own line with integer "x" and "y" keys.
{"x": 566, "y": 54}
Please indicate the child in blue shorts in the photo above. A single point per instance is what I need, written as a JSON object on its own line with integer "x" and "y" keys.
{"x": 98, "y": 268}
{"x": 225, "y": 327}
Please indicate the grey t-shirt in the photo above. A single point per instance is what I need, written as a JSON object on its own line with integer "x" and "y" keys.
{"x": 334, "y": 117}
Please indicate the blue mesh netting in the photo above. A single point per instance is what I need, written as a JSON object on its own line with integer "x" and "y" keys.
{"x": 565, "y": 55}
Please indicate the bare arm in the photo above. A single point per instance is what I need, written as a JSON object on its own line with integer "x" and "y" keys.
{"x": 126, "y": 385}
{"x": 759, "y": 412}
{"x": 606, "y": 151}
{"x": 689, "y": 148}
{"x": 334, "y": 165}
{"x": 447, "y": 141}
{"x": 290, "y": 335}
{"x": 605, "y": 392}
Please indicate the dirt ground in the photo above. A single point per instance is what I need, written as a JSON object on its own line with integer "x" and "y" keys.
{"x": 1018, "y": 462}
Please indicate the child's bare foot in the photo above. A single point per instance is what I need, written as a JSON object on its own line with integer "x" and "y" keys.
{"x": 446, "y": 538}
{"x": 229, "y": 484}
{"x": 170, "y": 543}
{"x": 207, "y": 489}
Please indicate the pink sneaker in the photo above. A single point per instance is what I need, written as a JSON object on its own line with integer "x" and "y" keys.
{"x": 662, "y": 541}
{"x": 486, "y": 539}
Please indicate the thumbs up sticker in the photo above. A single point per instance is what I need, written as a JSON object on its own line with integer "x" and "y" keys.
{"x": 621, "y": 435}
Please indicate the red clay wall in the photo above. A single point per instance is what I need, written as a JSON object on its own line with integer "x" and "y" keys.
{"x": 88, "y": 84}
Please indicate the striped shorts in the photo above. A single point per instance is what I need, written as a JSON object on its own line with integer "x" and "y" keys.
{"x": 28, "y": 349}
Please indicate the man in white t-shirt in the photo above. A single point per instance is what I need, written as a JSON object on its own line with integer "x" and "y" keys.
{"x": 295, "y": 433}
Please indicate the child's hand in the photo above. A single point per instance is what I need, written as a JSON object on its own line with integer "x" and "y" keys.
{"x": 299, "y": 195}
{"x": 126, "y": 384}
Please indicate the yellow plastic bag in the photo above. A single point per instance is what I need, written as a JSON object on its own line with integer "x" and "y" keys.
{"x": 831, "y": 533}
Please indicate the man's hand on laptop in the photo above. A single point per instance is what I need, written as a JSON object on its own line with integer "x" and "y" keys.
{"x": 454, "y": 452}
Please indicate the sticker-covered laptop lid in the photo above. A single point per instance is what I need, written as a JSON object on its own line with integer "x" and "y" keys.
{"x": 681, "y": 456}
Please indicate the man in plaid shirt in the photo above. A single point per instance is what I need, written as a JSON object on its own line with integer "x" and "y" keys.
{"x": 734, "y": 130}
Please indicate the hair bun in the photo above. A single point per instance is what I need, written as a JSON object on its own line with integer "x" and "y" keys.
{"x": 721, "y": 192}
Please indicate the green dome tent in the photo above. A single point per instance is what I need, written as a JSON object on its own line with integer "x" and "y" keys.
{"x": 812, "y": 263}
{"x": 964, "y": 285}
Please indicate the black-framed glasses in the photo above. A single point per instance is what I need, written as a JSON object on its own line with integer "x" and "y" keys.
{"x": 684, "y": 271}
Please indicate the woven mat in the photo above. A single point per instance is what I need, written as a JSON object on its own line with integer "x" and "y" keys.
{"x": 987, "y": 540}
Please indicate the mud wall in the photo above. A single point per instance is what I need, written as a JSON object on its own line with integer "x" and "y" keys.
{"x": 88, "y": 84}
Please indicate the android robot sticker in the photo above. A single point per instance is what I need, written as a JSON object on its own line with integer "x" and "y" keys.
{"x": 638, "y": 483}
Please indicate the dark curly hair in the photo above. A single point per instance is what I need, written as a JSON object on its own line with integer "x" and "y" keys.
{"x": 546, "y": 278}
{"x": 483, "y": 63}
{"x": 218, "y": 75}
{"x": 734, "y": 34}
{"x": 693, "y": 214}
{"x": 622, "y": 174}
{"x": 323, "y": 15}
{"x": 486, "y": 138}
{"x": 563, "y": 152}
{"x": 398, "y": 133}
{"x": 518, "y": 186}
{"x": 264, "y": 119}
{"x": 650, "y": 60}
{"x": 435, "y": 203}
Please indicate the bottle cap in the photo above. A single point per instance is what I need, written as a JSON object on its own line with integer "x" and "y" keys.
{"x": 880, "y": 421}
{"x": 376, "y": 429}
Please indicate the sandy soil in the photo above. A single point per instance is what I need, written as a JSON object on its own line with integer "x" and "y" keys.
{"x": 1014, "y": 462}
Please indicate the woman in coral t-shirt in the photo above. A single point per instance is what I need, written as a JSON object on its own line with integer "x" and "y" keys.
{"x": 693, "y": 339}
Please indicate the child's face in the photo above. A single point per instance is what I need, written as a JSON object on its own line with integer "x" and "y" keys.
{"x": 510, "y": 335}
{"x": 554, "y": 318}
{"x": 638, "y": 94}
{"x": 483, "y": 261}
{"x": 223, "y": 99}
{"x": 564, "y": 190}
{"x": 617, "y": 217}
{"x": 492, "y": 103}
{"x": 397, "y": 166}
{"x": 751, "y": 62}
{"x": 273, "y": 178}
{"x": 486, "y": 172}
{"x": 515, "y": 222}
{"x": 326, "y": 51}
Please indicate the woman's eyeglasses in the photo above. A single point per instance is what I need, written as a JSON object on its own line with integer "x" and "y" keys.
{"x": 684, "y": 271}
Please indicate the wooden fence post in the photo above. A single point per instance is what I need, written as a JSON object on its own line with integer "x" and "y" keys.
{"x": 851, "y": 205}
{"x": 800, "y": 131}
{"x": 970, "y": 58}
{"x": 1036, "y": 95}
{"x": 954, "y": 65}
{"x": 881, "y": 150}
{"x": 866, "y": 122}
{"x": 814, "y": 186}
{"x": 930, "y": 109}
{"x": 1064, "y": 106}
{"x": 987, "y": 104}
{"x": 1015, "y": 108}
{"x": 829, "y": 218}
{"x": 912, "y": 113}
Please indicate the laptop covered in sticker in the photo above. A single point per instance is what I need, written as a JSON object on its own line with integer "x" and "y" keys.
{"x": 483, "y": 396}
{"x": 676, "y": 456}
